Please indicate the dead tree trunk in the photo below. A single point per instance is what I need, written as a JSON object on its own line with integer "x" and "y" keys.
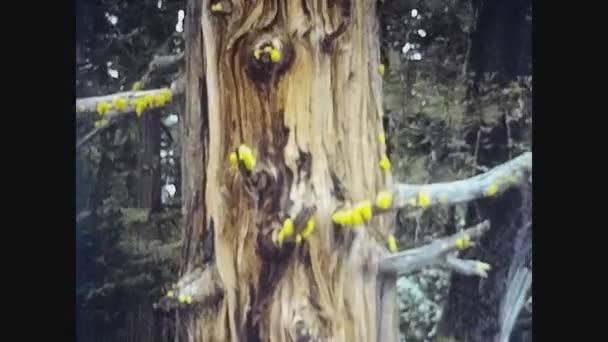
{"x": 298, "y": 82}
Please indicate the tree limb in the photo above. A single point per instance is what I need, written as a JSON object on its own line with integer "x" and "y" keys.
{"x": 200, "y": 286}
{"x": 89, "y": 104}
{"x": 467, "y": 267}
{"x": 161, "y": 63}
{"x": 487, "y": 184}
{"x": 411, "y": 260}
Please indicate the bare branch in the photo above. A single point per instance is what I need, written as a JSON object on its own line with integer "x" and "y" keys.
{"x": 434, "y": 253}
{"x": 200, "y": 286}
{"x": 90, "y": 104}
{"x": 160, "y": 63}
{"x": 467, "y": 267}
{"x": 487, "y": 184}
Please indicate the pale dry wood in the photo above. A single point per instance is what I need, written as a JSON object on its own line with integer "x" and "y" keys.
{"x": 487, "y": 184}
{"x": 408, "y": 261}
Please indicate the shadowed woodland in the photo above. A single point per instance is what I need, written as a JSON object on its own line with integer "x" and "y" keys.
{"x": 304, "y": 170}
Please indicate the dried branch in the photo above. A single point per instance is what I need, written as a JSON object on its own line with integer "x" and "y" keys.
{"x": 90, "y": 104}
{"x": 467, "y": 267}
{"x": 162, "y": 63}
{"x": 487, "y": 184}
{"x": 433, "y": 253}
{"x": 200, "y": 286}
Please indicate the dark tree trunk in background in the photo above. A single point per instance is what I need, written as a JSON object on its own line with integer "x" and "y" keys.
{"x": 501, "y": 44}
{"x": 148, "y": 162}
{"x": 501, "y": 41}
{"x": 142, "y": 321}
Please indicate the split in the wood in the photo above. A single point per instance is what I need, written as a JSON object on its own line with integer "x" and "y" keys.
{"x": 433, "y": 253}
{"x": 196, "y": 287}
{"x": 327, "y": 41}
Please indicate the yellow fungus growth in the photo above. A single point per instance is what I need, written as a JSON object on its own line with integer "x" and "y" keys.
{"x": 216, "y": 7}
{"x": 119, "y": 104}
{"x": 149, "y": 99}
{"x": 181, "y": 298}
{"x": 188, "y": 299}
{"x": 384, "y": 199}
{"x": 342, "y": 217}
{"x": 298, "y": 239}
{"x": 356, "y": 217}
{"x": 170, "y": 294}
{"x": 385, "y": 163}
{"x": 159, "y": 100}
{"x": 140, "y": 106}
{"x": 492, "y": 190}
{"x": 285, "y": 232}
{"x": 275, "y": 55}
{"x": 364, "y": 208}
{"x": 246, "y": 156}
{"x": 101, "y": 123}
{"x": 268, "y": 49}
{"x": 166, "y": 92}
{"x": 257, "y": 53}
{"x": 287, "y": 228}
{"x": 423, "y": 199}
{"x": 464, "y": 242}
{"x": 103, "y": 107}
{"x": 233, "y": 160}
{"x": 392, "y": 243}
{"x": 136, "y": 86}
{"x": 381, "y": 138}
{"x": 381, "y": 68}
{"x": 307, "y": 231}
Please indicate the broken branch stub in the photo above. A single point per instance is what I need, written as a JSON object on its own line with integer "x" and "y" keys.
{"x": 408, "y": 261}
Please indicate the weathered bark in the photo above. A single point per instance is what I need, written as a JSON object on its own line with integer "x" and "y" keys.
{"x": 313, "y": 120}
